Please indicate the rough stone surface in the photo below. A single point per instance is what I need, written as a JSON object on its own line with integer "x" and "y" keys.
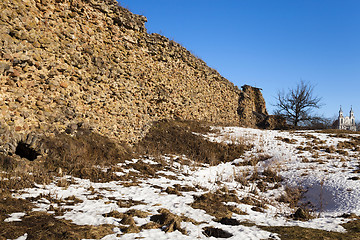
{"x": 252, "y": 110}
{"x": 91, "y": 62}
{"x": 251, "y": 106}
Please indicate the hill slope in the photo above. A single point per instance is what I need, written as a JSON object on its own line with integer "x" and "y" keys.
{"x": 256, "y": 196}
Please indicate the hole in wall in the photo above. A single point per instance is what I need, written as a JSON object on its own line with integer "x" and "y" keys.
{"x": 25, "y": 151}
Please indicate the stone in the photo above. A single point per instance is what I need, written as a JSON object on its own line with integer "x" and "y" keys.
{"x": 39, "y": 103}
{"x": 64, "y": 84}
{"x": 7, "y": 56}
{"x": 15, "y": 73}
{"x": 20, "y": 99}
{"x": 4, "y": 67}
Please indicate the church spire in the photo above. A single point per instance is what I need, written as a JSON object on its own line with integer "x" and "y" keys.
{"x": 351, "y": 112}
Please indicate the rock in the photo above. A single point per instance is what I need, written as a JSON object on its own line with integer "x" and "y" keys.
{"x": 64, "y": 84}
{"x": 15, "y": 73}
{"x": 20, "y": 99}
{"x": 7, "y": 56}
{"x": 4, "y": 67}
{"x": 39, "y": 103}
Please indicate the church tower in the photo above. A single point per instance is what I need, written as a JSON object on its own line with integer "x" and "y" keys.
{"x": 352, "y": 114}
{"x": 341, "y": 119}
{"x": 352, "y": 120}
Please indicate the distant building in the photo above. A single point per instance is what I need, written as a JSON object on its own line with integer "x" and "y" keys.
{"x": 345, "y": 123}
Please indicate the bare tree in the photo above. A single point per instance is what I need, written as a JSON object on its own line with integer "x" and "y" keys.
{"x": 297, "y": 104}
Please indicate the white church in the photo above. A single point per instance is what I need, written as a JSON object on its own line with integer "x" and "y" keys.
{"x": 346, "y": 123}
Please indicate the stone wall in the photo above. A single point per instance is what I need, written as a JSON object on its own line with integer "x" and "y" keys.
{"x": 65, "y": 63}
{"x": 252, "y": 111}
{"x": 252, "y": 108}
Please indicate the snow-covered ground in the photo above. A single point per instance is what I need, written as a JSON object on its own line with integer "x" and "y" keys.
{"x": 331, "y": 185}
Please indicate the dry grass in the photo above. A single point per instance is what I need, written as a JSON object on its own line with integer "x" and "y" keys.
{"x": 353, "y": 144}
{"x": 299, "y": 233}
{"x": 287, "y": 140}
{"x": 213, "y": 204}
{"x": 216, "y": 232}
{"x": 271, "y": 176}
{"x": 241, "y": 178}
{"x": 168, "y": 222}
{"x": 6, "y": 163}
{"x": 259, "y": 203}
{"x": 40, "y": 225}
{"x": 310, "y": 136}
{"x": 176, "y": 137}
{"x": 84, "y": 154}
{"x": 11, "y": 205}
{"x": 254, "y": 160}
{"x": 330, "y": 149}
{"x": 302, "y": 214}
{"x": 292, "y": 196}
{"x": 338, "y": 132}
{"x": 342, "y": 152}
{"x": 88, "y": 155}
{"x": 92, "y": 156}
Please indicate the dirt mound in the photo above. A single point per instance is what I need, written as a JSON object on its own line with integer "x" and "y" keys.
{"x": 177, "y": 137}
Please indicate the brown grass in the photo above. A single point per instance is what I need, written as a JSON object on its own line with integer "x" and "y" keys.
{"x": 241, "y": 178}
{"x": 11, "y": 205}
{"x": 176, "y": 137}
{"x": 84, "y": 154}
{"x": 292, "y": 196}
{"x": 270, "y": 175}
{"x": 40, "y": 225}
{"x": 299, "y": 233}
{"x": 6, "y": 163}
{"x": 338, "y": 132}
{"x": 310, "y": 136}
{"x": 170, "y": 222}
{"x": 212, "y": 203}
{"x": 352, "y": 144}
{"x": 302, "y": 214}
{"x": 287, "y": 140}
{"x": 254, "y": 160}
{"x": 216, "y": 232}
{"x": 330, "y": 149}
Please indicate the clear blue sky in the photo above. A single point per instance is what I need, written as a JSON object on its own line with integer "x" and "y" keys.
{"x": 271, "y": 44}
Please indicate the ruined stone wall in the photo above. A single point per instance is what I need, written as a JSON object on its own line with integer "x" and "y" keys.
{"x": 252, "y": 108}
{"x": 65, "y": 63}
{"x": 252, "y": 111}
